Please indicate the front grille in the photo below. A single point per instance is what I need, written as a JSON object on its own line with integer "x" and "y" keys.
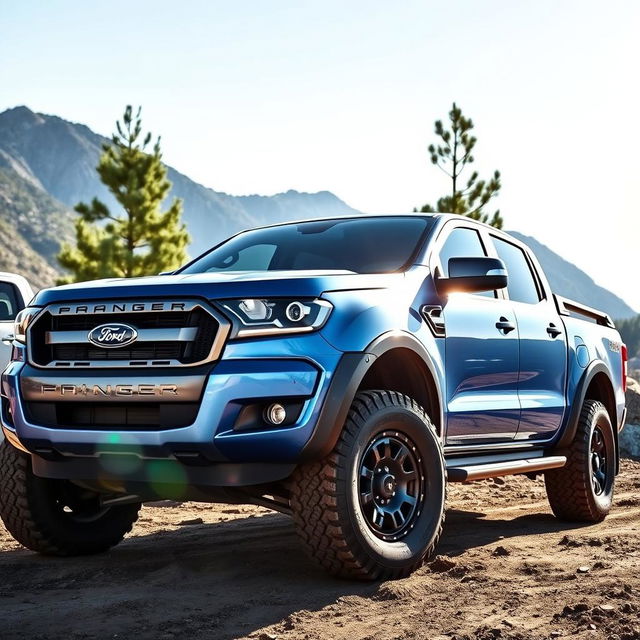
{"x": 143, "y": 351}
{"x": 106, "y": 415}
{"x": 195, "y": 334}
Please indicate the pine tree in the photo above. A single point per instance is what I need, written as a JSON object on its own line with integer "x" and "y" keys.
{"x": 140, "y": 241}
{"x": 452, "y": 154}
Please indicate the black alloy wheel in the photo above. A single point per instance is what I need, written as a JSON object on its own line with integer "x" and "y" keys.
{"x": 391, "y": 485}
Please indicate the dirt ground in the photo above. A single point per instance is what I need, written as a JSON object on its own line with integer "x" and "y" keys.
{"x": 507, "y": 569}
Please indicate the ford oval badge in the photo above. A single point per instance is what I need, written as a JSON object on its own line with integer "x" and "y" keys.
{"x": 112, "y": 335}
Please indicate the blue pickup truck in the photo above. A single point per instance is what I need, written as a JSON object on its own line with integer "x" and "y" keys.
{"x": 341, "y": 371}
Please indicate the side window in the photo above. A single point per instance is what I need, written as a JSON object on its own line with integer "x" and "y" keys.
{"x": 522, "y": 285}
{"x": 8, "y": 302}
{"x": 462, "y": 243}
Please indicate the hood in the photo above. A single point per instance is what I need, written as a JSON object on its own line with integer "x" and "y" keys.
{"x": 239, "y": 284}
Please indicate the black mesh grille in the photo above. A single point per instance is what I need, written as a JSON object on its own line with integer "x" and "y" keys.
{"x": 120, "y": 416}
{"x": 142, "y": 351}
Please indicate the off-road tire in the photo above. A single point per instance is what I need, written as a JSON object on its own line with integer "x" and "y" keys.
{"x": 572, "y": 494}
{"x": 326, "y": 495}
{"x": 33, "y": 514}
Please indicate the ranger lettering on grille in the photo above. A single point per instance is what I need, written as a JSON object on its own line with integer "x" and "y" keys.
{"x": 122, "y": 307}
{"x": 109, "y": 390}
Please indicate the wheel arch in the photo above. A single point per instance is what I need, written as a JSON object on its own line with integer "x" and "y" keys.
{"x": 595, "y": 384}
{"x": 395, "y": 359}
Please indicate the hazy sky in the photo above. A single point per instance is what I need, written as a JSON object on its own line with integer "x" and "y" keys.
{"x": 264, "y": 96}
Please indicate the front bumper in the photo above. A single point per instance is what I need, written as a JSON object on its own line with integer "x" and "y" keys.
{"x": 212, "y": 451}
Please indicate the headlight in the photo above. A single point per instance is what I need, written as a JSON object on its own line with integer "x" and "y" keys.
{"x": 262, "y": 317}
{"x": 22, "y": 321}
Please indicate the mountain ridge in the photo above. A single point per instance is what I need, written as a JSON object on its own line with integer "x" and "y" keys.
{"x": 72, "y": 178}
{"x": 571, "y": 282}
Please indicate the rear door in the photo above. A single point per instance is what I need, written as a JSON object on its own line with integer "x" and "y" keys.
{"x": 481, "y": 358}
{"x": 543, "y": 348}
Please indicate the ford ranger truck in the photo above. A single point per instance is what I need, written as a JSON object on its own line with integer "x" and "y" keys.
{"x": 341, "y": 371}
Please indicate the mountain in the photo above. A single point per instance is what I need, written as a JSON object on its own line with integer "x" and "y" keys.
{"x": 32, "y": 225}
{"x": 60, "y": 157}
{"x": 569, "y": 281}
{"x": 47, "y": 165}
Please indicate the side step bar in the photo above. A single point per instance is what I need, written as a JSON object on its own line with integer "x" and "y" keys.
{"x": 457, "y": 472}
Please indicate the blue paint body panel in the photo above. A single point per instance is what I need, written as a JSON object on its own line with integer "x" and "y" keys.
{"x": 482, "y": 371}
{"x": 543, "y": 371}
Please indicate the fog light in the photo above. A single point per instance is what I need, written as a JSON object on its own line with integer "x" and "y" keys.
{"x": 276, "y": 413}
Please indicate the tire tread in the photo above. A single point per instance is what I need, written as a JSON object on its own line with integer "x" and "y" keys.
{"x": 30, "y": 528}
{"x": 569, "y": 488}
{"x": 316, "y": 507}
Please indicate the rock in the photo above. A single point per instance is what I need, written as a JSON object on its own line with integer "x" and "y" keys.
{"x": 501, "y": 551}
{"x": 630, "y": 436}
{"x": 573, "y": 610}
{"x": 584, "y": 569}
{"x": 633, "y": 401}
{"x": 607, "y": 608}
{"x": 569, "y": 542}
{"x": 191, "y": 521}
{"x": 630, "y": 440}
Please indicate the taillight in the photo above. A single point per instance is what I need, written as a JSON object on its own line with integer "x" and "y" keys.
{"x": 625, "y": 357}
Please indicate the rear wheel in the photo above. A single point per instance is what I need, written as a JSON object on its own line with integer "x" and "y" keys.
{"x": 56, "y": 517}
{"x": 582, "y": 490}
{"x": 374, "y": 507}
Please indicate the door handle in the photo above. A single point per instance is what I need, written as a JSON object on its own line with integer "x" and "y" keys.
{"x": 504, "y": 325}
{"x": 553, "y": 331}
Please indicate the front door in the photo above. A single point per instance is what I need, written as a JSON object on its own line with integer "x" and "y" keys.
{"x": 481, "y": 355}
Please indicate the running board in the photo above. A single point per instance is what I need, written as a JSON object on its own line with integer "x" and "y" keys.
{"x": 468, "y": 472}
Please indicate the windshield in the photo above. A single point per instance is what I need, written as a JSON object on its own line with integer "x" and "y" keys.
{"x": 360, "y": 245}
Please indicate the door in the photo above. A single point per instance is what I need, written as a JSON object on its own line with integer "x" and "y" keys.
{"x": 481, "y": 355}
{"x": 543, "y": 347}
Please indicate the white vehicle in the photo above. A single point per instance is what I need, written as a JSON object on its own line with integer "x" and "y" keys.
{"x": 15, "y": 293}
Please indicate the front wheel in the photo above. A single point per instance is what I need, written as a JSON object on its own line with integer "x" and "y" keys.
{"x": 374, "y": 507}
{"x": 56, "y": 517}
{"x": 582, "y": 490}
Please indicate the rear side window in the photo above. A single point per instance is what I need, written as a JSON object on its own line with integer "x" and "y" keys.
{"x": 522, "y": 285}
{"x": 8, "y": 302}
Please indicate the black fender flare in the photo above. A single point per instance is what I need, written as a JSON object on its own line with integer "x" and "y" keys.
{"x": 568, "y": 432}
{"x": 344, "y": 385}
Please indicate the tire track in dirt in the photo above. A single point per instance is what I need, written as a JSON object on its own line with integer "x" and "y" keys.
{"x": 507, "y": 569}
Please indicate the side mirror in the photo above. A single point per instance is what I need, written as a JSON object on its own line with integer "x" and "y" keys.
{"x": 473, "y": 275}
